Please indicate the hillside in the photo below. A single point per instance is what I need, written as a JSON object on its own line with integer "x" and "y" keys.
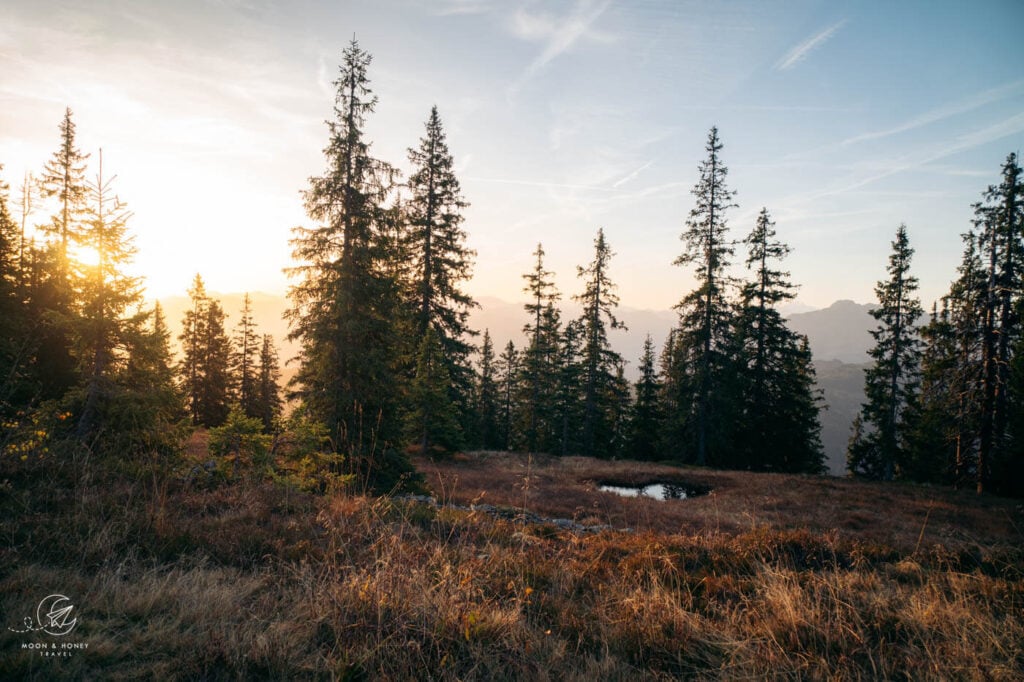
{"x": 766, "y": 576}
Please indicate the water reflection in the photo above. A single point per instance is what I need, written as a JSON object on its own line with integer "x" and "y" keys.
{"x": 658, "y": 491}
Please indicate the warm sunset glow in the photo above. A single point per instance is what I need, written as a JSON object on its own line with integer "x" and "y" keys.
{"x": 843, "y": 119}
{"x": 512, "y": 339}
{"x": 88, "y": 256}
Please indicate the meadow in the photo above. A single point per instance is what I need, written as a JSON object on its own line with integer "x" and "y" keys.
{"x": 766, "y": 576}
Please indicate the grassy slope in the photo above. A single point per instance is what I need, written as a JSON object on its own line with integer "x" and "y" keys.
{"x": 769, "y": 576}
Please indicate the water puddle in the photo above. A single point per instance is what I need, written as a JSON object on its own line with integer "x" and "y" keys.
{"x": 657, "y": 491}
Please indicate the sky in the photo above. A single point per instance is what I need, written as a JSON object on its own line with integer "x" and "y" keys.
{"x": 844, "y": 119}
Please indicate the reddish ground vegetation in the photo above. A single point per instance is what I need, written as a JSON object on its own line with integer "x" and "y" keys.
{"x": 901, "y": 516}
{"x": 767, "y": 577}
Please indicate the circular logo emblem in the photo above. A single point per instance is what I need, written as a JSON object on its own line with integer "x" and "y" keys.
{"x": 54, "y": 615}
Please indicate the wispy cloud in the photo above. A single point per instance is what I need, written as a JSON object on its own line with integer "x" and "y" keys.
{"x": 945, "y": 111}
{"x": 800, "y": 52}
{"x": 559, "y": 36}
{"x": 996, "y": 131}
{"x": 633, "y": 175}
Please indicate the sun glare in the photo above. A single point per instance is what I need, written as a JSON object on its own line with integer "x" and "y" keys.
{"x": 86, "y": 255}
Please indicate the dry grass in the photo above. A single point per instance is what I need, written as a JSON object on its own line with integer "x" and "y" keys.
{"x": 884, "y": 513}
{"x": 257, "y": 582}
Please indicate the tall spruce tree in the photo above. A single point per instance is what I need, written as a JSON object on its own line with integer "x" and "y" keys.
{"x": 599, "y": 361}
{"x": 64, "y": 179}
{"x": 1000, "y": 219}
{"x": 701, "y": 355}
{"x": 891, "y": 383}
{"x": 778, "y": 429}
{"x": 933, "y": 456}
{"x": 107, "y": 293}
{"x": 538, "y": 379}
{"x": 344, "y": 301}
{"x": 1012, "y": 470}
{"x": 966, "y": 301}
{"x": 441, "y": 261}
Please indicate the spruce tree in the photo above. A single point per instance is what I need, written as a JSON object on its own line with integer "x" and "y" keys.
{"x": 891, "y": 383}
{"x": 538, "y": 380}
{"x": 966, "y": 303}
{"x": 647, "y": 413}
{"x": 569, "y": 403}
{"x": 244, "y": 355}
{"x": 9, "y": 244}
{"x": 702, "y": 351}
{"x": 933, "y": 456}
{"x": 63, "y": 181}
{"x": 671, "y": 427}
{"x": 1000, "y": 218}
{"x": 441, "y": 261}
{"x": 15, "y": 344}
{"x": 27, "y": 202}
{"x": 620, "y": 405}
{"x": 149, "y": 416}
{"x": 217, "y": 386}
{"x": 205, "y": 368}
{"x": 778, "y": 429}
{"x": 268, "y": 391}
{"x": 598, "y": 359}
{"x": 432, "y": 416}
{"x": 345, "y": 302}
{"x": 508, "y": 373}
{"x": 106, "y": 295}
{"x": 1011, "y": 470}
{"x": 45, "y": 364}
{"x": 64, "y": 178}
{"x": 488, "y": 398}
{"x": 193, "y": 331}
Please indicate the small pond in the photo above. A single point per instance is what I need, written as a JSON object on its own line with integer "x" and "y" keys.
{"x": 658, "y": 491}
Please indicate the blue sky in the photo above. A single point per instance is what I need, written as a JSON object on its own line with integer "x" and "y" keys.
{"x": 844, "y": 119}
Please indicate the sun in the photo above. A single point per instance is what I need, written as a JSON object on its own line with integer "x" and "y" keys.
{"x": 88, "y": 256}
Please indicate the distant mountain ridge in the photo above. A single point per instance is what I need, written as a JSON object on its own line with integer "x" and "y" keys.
{"x": 838, "y": 332}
